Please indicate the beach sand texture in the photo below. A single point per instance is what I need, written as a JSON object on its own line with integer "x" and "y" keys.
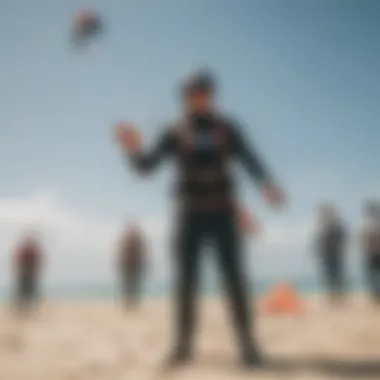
{"x": 99, "y": 340}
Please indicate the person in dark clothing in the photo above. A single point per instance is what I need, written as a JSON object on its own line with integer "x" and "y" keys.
{"x": 27, "y": 267}
{"x": 131, "y": 265}
{"x": 203, "y": 145}
{"x": 331, "y": 251}
{"x": 371, "y": 248}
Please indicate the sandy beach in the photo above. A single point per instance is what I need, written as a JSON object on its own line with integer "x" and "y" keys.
{"x": 99, "y": 340}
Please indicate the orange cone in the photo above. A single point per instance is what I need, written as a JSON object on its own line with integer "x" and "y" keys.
{"x": 282, "y": 299}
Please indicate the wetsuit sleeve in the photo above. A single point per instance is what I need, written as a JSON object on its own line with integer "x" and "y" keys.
{"x": 146, "y": 162}
{"x": 248, "y": 156}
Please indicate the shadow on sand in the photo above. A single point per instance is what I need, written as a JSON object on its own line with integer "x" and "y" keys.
{"x": 345, "y": 368}
{"x": 357, "y": 369}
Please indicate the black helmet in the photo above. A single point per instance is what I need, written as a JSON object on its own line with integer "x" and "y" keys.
{"x": 201, "y": 80}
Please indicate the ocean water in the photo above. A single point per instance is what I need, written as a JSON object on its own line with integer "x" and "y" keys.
{"x": 162, "y": 290}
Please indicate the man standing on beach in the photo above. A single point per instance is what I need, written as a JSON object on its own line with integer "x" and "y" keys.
{"x": 203, "y": 144}
{"x": 331, "y": 251}
{"x": 131, "y": 265}
{"x": 371, "y": 248}
{"x": 27, "y": 268}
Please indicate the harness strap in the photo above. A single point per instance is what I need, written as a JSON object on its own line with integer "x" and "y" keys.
{"x": 186, "y": 137}
{"x": 186, "y": 134}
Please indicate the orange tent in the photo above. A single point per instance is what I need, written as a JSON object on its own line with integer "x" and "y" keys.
{"x": 282, "y": 299}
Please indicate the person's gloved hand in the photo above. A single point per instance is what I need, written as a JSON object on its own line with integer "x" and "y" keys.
{"x": 273, "y": 195}
{"x": 128, "y": 138}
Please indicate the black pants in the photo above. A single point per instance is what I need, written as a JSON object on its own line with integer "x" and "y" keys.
{"x": 26, "y": 288}
{"x": 219, "y": 228}
{"x": 131, "y": 286}
{"x": 333, "y": 272}
{"x": 373, "y": 274}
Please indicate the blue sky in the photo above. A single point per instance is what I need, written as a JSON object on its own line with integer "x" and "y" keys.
{"x": 302, "y": 76}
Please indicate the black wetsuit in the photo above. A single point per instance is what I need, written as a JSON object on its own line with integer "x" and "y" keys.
{"x": 331, "y": 254}
{"x": 203, "y": 148}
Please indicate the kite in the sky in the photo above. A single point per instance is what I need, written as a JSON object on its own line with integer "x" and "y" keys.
{"x": 87, "y": 25}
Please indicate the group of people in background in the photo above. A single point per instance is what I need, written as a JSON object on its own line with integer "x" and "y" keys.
{"x": 131, "y": 260}
{"x": 130, "y": 263}
{"x": 332, "y": 250}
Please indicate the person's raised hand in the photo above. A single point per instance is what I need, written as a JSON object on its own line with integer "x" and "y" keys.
{"x": 273, "y": 195}
{"x": 128, "y": 138}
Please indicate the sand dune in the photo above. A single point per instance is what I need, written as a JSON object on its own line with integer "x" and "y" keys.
{"x": 99, "y": 340}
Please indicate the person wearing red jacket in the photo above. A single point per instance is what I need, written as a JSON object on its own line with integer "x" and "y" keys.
{"x": 27, "y": 262}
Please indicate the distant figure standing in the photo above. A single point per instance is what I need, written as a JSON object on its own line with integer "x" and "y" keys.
{"x": 331, "y": 251}
{"x": 27, "y": 269}
{"x": 371, "y": 248}
{"x": 131, "y": 265}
